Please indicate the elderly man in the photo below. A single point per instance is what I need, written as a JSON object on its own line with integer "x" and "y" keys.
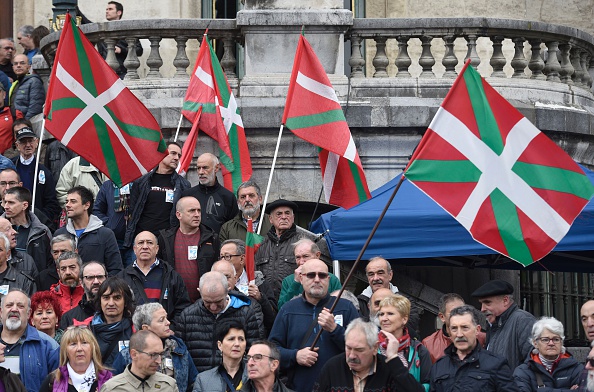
{"x": 587, "y": 317}
{"x": 466, "y": 363}
{"x": 92, "y": 274}
{"x": 142, "y": 375}
{"x": 49, "y": 276}
{"x": 192, "y": 247}
{"x": 153, "y": 280}
{"x": 361, "y": 368}
{"x": 275, "y": 257}
{"x": 196, "y": 324}
{"x": 588, "y": 382}
{"x": 29, "y": 353}
{"x": 300, "y": 319}
{"x": 305, "y": 249}
{"x": 7, "y": 52}
{"x": 25, "y": 38}
{"x": 10, "y": 277}
{"x": 263, "y": 362}
{"x": 249, "y": 202}
{"x": 27, "y": 95}
{"x": 19, "y": 260}
{"x": 68, "y": 291}
{"x": 219, "y": 205}
{"x": 509, "y": 326}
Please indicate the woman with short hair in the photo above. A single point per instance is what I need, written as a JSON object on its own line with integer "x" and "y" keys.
{"x": 45, "y": 314}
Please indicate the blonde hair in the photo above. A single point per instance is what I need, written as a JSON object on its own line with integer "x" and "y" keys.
{"x": 79, "y": 334}
{"x": 400, "y": 302}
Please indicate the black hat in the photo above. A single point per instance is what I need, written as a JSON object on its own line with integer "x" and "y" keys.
{"x": 492, "y": 288}
{"x": 24, "y": 132}
{"x": 281, "y": 203}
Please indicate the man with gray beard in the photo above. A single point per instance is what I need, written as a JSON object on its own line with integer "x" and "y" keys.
{"x": 588, "y": 384}
{"x": 29, "y": 353}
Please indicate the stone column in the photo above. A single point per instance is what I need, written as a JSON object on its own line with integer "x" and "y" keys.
{"x": 271, "y": 29}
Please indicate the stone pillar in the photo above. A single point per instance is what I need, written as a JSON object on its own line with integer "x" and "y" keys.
{"x": 60, "y": 7}
{"x": 271, "y": 29}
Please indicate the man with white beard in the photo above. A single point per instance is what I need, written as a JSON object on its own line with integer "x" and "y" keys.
{"x": 587, "y": 385}
{"x": 29, "y": 353}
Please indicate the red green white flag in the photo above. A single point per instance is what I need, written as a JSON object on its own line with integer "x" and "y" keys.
{"x": 209, "y": 91}
{"x": 252, "y": 243}
{"x": 90, "y": 110}
{"x": 189, "y": 146}
{"x": 507, "y": 183}
{"x": 313, "y": 113}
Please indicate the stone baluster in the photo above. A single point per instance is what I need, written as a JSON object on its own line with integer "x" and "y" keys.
{"x": 578, "y": 74}
{"x": 403, "y": 60}
{"x": 472, "y": 54}
{"x": 585, "y": 62}
{"x": 131, "y": 62}
{"x": 181, "y": 61}
{"x": 380, "y": 60}
{"x": 449, "y": 60}
{"x": 111, "y": 59}
{"x": 356, "y": 62}
{"x": 427, "y": 61}
{"x": 536, "y": 63}
{"x": 228, "y": 60}
{"x": 566, "y": 67}
{"x": 552, "y": 66}
{"x": 154, "y": 60}
{"x": 519, "y": 61}
{"x": 497, "y": 59}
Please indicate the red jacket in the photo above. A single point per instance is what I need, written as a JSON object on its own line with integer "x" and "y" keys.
{"x": 438, "y": 342}
{"x": 6, "y": 135}
{"x": 68, "y": 298}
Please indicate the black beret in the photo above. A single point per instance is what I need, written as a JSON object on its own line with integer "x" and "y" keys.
{"x": 281, "y": 203}
{"x": 492, "y": 288}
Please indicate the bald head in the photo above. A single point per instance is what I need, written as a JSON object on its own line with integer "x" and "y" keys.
{"x": 6, "y": 229}
{"x": 20, "y": 65}
{"x": 207, "y": 167}
{"x": 375, "y": 300}
{"x": 315, "y": 280}
{"x": 226, "y": 268}
{"x": 587, "y": 317}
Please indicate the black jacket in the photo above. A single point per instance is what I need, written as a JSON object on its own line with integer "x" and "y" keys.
{"x": 218, "y": 204}
{"x": 481, "y": 370}
{"x": 566, "y": 374}
{"x": 47, "y": 278}
{"x": 83, "y": 311}
{"x": 174, "y": 295}
{"x": 18, "y": 280}
{"x": 38, "y": 243}
{"x": 25, "y": 263}
{"x": 109, "y": 337}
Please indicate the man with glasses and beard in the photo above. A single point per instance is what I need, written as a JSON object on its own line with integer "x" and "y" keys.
{"x": 92, "y": 274}
{"x": 299, "y": 321}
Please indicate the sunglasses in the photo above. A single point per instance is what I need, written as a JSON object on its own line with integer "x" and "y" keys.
{"x": 312, "y": 275}
{"x": 590, "y": 360}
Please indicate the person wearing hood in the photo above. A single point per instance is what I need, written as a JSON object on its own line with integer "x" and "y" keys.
{"x": 93, "y": 241}
{"x": 27, "y": 93}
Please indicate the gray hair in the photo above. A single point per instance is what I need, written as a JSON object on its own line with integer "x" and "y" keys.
{"x": 85, "y": 265}
{"x": 68, "y": 256}
{"x": 210, "y": 280}
{"x": 368, "y": 328}
{"x": 143, "y": 314}
{"x": 4, "y": 238}
{"x": 466, "y": 309}
{"x": 548, "y": 323}
{"x": 376, "y": 258}
{"x": 445, "y": 299}
{"x": 314, "y": 247}
{"x": 26, "y": 30}
{"x": 239, "y": 245}
{"x": 63, "y": 238}
{"x": 13, "y": 290}
{"x": 349, "y": 296}
{"x": 249, "y": 184}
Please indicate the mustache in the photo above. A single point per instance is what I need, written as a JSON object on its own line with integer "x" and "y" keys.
{"x": 377, "y": 281}
{"x": 354, "y": 360}
{"x": 460, "y": 340}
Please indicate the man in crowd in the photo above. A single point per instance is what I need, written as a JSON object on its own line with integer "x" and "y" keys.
{"x": 587, "y": 317}
{"x": 7, "y": 52}
{"x": 94, "y": 242}
{"x": 78, "y": 171}
{"x": 219, "y": 205}
{"x": 466, "y": 363}
{"x": 191, "y": 248}
{"x": 153, "y": 280}
{"x": 49, "y": 276}
{"x": 263, "y": 361}
{"x": 10, "y": 277}
{"x": 30, "y": 354}
{"x": 588, "y": 384}
{"x": 68, "y": 291}
{"x": 509, "y": 326}
{"x": 197, "y": 323}
{"x": 25, "y": 38}
{"x": 142, "y": 375}
{"x": 27, "y": 94}
{"x": 305, "y": 249}
{"x": 298, "y": 322}
{"x": 361, "y": 362}
{"x": 275, "y": 257}
{"x": 21, "y": 261}
{"x": 6, "y": 120}
{"x": 33, "y": 236}
{"x": 249, "y": 202}
{"x": 92, "y": 275}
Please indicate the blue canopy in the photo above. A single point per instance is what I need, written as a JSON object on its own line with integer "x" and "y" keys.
{"x": 415, "y": 227}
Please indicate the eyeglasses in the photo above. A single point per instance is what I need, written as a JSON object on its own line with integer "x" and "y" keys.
{"x": 9, "y": 183}
{"x": 152, "y": 356}
{"x": 25, "y": 142}
{"x": 555, "y": 340}
{"x": 228, "y": 257}
{"x": 590, "y": 360}
{"x": 91, "y": 278}
{"x": 312, "y": 275}
{"x": 258, "y": 357}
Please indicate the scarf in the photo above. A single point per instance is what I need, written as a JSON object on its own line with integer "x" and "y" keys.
{"x": 65, "y": 371}
{"x": 403, "y": 345}
{"x": 82, "y": 382}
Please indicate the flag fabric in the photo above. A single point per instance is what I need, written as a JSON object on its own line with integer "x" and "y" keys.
{"x": 252, "y": 243}
{"x": 209, "y": 91}
{"x": 507, "y": 183}
{"x": 313, "y": 113}
{"x": 90, "y": 110}
{"x": 189, "y": 147}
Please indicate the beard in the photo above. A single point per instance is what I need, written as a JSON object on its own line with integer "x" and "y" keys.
{"x": 13, "y": 325}
{"x": 590, "y": 381}
{"x": 250, "y": 211}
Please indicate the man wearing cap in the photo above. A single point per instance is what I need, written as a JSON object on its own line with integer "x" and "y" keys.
{"x": 509, "y": 326}
{"x": 276, "y": 258}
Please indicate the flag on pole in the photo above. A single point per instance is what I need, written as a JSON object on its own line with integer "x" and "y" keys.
{"x": 312, "y": 112}
{"x": 507, "y": 183}
{"x": 189, "y": 147}
{"x": 252, "y": 243}
{"x": 90, "y": 110}
{"x": 220, "y": 119}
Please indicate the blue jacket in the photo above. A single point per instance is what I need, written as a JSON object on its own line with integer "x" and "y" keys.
{"x": 104, "y": 210}
{"x": 293, "y": 320}
{"x": 185, "y": 371}
{"x": 38, "y": 358}
{"x": 566, "y": 374}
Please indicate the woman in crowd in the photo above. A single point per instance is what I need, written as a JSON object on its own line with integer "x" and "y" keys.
{"x": 176, "y": 361}
{"x": 45, "y": 314}
{"x": 549, "y": 365}
{"x": 230, "y": 375}
{"x": 80, "y": 364}
{"x": 392, "y": 315}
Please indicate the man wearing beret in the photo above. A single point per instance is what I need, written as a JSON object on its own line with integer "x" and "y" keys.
{"x": 509, "y": 326}
{"x": 275, "y": 258}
